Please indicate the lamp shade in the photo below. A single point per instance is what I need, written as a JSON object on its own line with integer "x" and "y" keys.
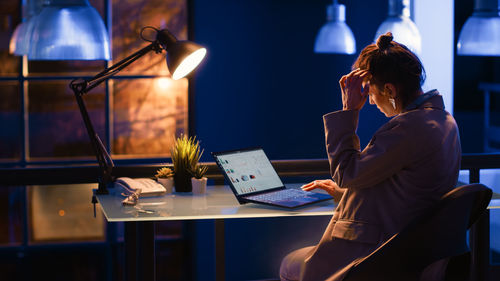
{"x": 480, "y": 35}
{"x": 69, "y": 30}
{"x": 182, "y": 56}
{"x": 18, "y": 44}
{"x": 20, "y": 40}
{"x": 403, "y": 29}
{"x": 335, "y": 36}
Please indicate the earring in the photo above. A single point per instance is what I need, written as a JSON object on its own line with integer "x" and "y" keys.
{"x": 393, "y": 102}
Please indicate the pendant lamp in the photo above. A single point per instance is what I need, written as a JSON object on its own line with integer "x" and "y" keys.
{"x": 20, "y": 39}
{"x": 19, "y": 42}
{"x": 402, "y": 27}
{"x": 69, "y": 30}
{"x": 480, "y": 35}
{"x": 335, "y": 37}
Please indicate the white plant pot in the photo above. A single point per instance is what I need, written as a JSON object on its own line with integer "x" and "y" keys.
{"x": 168, "y": 183}
{"x": 199, "y": 185}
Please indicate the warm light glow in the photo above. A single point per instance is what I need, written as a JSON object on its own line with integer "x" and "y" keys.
{"x": 61, "y": 213}
{"x": 13, "y": 39}
{"x": 163, "y": 83}
{"x": 189, "y": 63}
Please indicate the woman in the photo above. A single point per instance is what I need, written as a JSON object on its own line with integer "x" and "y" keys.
{"x": 410, "y": 162}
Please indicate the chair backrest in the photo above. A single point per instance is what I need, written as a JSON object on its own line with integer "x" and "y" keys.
{"x": 439, "y": 233}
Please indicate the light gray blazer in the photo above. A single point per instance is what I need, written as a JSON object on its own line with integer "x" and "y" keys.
{"x": 410, "y": 162}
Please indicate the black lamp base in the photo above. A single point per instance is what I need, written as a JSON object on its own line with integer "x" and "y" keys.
{"x": 103, "y": 188}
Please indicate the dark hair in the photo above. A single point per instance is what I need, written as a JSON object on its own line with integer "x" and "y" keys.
{"x": 391, "y": 62}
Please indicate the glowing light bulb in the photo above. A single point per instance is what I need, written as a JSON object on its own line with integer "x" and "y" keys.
{"x": 189, "y": 63}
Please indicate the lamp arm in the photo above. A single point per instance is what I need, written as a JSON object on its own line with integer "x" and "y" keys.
{"x": 80, "y": 87}
{"x": 103, "y": 158}
{"x": 85, "y": 86}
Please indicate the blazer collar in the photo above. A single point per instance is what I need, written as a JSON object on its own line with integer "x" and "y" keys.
{"x": 430, "y": 99}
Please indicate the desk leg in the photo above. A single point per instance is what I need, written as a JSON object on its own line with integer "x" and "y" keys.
{"x": 140, "y": 251}
{"x": 479, "y": 240}
{"x": 130, "y": 251}
{"x": 220, "y": 251}
{"x": 480, "y": 248}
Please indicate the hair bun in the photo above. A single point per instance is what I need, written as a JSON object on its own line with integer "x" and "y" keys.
{"x": 384, "y": 41}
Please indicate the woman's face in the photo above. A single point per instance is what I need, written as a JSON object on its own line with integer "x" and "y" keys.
{"x": 381, "y": 100}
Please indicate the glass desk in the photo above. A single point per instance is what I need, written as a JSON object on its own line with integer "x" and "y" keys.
{"x": 218, "y": 203}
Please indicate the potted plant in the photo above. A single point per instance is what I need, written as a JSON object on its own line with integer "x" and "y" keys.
{"x": 165, "y": 176}
{"x": 199, "y": 181}
{"x": 185, "y": 155}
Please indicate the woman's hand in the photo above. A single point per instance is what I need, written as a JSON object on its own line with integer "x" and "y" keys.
{"x": 327, "y": 185}
{"x": 355, "y": 88}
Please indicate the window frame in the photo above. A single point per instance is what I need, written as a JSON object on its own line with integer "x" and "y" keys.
{"x": 22, "y": 77}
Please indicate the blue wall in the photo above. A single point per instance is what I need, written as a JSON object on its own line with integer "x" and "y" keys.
{"x": 263, "y": 85}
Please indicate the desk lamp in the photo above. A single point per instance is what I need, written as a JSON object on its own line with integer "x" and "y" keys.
{"x": 182, "y": 58}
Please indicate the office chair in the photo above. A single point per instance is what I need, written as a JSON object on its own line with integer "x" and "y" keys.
{"x": 439, "y": 233}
